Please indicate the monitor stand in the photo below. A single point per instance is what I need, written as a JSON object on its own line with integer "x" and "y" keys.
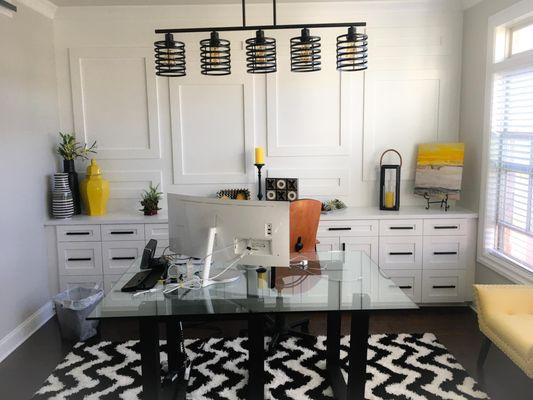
{"x": 226, "y": 277}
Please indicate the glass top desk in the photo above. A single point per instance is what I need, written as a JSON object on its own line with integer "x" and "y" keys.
{"x": 327, "y": 282}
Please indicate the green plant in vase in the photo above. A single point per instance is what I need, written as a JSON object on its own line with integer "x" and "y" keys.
{"x": 69, "y": 149}
{"x": 150, "y": 200}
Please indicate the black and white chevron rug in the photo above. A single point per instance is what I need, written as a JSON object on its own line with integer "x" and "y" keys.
{"x": 403, "y": 366}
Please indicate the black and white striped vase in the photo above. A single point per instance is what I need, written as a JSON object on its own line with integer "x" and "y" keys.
{"x": 62, "y": 203}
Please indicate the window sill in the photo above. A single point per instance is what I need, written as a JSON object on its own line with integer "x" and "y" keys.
{"x": 508, "y": 269}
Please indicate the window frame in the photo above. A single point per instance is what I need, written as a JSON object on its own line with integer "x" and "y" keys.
{"x": 502, "y": 23}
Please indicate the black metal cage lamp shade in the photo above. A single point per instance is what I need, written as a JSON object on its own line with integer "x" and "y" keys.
{"x": 261, "y": 54}
{"x": 215, "y": 56}
{"x": 352, "y": 51}
{"x": 169, "y": 57}
{"x": 305, "y": 52}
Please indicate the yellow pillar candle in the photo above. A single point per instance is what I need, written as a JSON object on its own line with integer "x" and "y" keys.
{"x": 259, "y": 155}
{"x": 389, "y": 199}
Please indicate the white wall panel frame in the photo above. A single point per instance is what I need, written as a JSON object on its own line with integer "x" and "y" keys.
{"x": 79, "y": 91}
{"x": 247, "y": 116}
{"x": 429, "y": 123}
{"x": 130, "y": 184}
{"x": 344, "y": 110}
{"x": 316, "y": 182}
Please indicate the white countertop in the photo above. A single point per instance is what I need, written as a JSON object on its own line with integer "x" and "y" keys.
{"x": 350, "y": 213}
{"x": 111, "y": 218}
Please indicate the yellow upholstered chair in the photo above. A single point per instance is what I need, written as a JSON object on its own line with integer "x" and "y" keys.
{"x": 505, "y": 316}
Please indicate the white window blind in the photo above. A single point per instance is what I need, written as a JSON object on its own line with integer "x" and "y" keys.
{"x": 509, "y": 229}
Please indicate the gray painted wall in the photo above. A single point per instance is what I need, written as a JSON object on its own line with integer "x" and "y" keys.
{"x": 475, "y": 25}
{"x": 28, "y": 129}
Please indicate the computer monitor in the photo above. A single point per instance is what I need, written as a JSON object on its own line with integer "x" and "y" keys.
{"x": 202, "y": 227}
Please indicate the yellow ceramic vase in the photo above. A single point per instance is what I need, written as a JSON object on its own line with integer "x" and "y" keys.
{"x": 94, "y": 191}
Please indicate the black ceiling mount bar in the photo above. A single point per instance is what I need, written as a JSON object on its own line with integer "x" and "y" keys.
{"x": 9, "y": 6}
{"x": 262, "y": 27}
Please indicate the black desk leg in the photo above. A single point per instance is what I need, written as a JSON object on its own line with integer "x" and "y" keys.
{"x": 357, "y": 355}
{"x": 333, "y": 339}
{"x": 150, "y": 363}
{"x": 256, "y": 357}
{"x": 173, "y": 343}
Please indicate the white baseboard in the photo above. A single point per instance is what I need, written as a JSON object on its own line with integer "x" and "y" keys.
{"x": 17, "y": 336}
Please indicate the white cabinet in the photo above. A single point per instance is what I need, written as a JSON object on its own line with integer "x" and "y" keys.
{"x": 92, "y": 255}
{"x": 401, "y": 227}
{"x": 369, "y": 245}
{"x": 123, "y": 232}
{"x": 446, "y": 252}
{"x": 117, "y": 257}
{"x": 348, "y": 228}
{"x": 328, "y": 244}
{"x": 443, "y": 227}
{"x": 79, "y": 258}
{"x": 400, "y": 252}
{"x": 409, "y": 280}
{"x": 443, "y": 286}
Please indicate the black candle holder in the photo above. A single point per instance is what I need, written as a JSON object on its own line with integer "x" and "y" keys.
{"x": 259, "y": 190}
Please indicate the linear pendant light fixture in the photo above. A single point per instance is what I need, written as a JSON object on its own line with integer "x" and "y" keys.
{"x": 261, "y": 57}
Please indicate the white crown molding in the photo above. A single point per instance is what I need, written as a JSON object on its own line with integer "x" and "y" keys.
{"x": 44, "y": 7}
{"x": 470, "y": 3}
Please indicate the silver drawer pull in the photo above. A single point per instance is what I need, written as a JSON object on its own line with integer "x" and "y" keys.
{"x": 402, "y": 228}
{"x": 123, "y": 258}
{"x": 77, "y": 233}
{"x": 446, "y": 227}
{"x": 122, "y": 232}
{"x": 444, "y": 253}
{"x": 340, "y": 229}
{"x": 79, "y": 259}
{"x": 443, "y": 286}
{"x": 401, "y": 253}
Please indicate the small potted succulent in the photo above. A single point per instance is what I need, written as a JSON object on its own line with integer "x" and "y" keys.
{"x": 150, "y": 200}
{"x": 69, "y": 149}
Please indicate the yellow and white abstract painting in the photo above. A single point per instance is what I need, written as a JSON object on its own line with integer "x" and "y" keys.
{"x": 439, "y": 169}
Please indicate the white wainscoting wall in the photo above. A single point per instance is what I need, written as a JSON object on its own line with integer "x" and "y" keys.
{"x": 196, "y": 134}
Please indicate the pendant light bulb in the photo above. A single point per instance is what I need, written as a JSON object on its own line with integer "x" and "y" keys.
{"x": 305, "y": 52}
{"x": 352, "y": 51}
{"x": 261, "y": 54}
{"x": 215, "y": 55}
{"x": 169, "y": 57}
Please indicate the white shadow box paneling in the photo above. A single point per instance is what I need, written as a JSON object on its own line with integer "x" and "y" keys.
{"x": 309, "y": 114}
{"x": 403, "y": 109}
{"x": 316, "y": 182}
{"x": 212, "y": 126}
{"x": 130, "y": 184}
{"x": 114, "y": 98}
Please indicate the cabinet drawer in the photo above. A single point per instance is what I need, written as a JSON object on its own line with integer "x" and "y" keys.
{"x": 348, "y": 228}
{"x": 400, "y": 252}
{"x": 327, "y": 244}
{"x": 110, "y": 281}
{"x": 78, "y": 233}
{"x": 408, "y": 280}
{"x": 79, "y": 258}
{"x": 156, "y": 231}
{"x": 403, "y": 227}
{"x": 118, "y": 256}
{"x": 443, "y": 286}
{"x": 368, "y": 245}
{"x": 123, "y": 232}
{"x": 444, "y": 227}
{"x": 444, "y": 252}
{"x": 87, "y": 281}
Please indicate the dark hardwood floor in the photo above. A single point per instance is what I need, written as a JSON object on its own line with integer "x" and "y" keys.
{"x": 24, "y": 371}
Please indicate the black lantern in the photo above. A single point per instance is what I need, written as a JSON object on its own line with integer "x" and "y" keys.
{"x": 169, "y": 57}
{"x": 352, "y": 51}
{"x": 261, "y": 54}
{"x": 215, "y": 55}
{"x": 389, "y": 183}
{"x": 305, "y": 52}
